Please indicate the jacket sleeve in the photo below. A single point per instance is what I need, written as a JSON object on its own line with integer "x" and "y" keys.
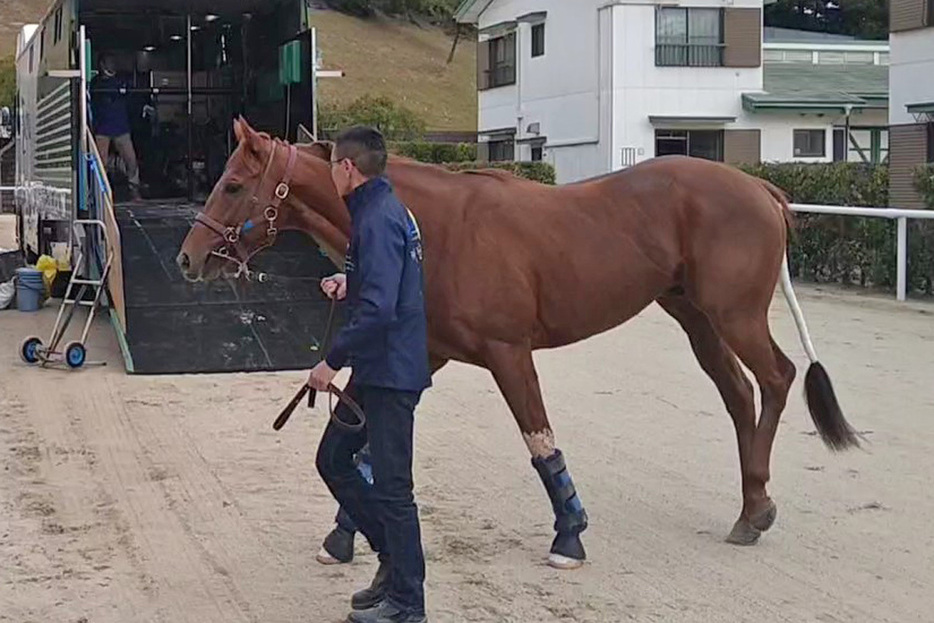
{"x": 380, "y": 261}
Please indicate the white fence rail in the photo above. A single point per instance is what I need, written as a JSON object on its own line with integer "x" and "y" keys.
{"x": 901, "y": 216}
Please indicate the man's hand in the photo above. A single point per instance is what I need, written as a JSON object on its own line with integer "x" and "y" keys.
{"x": 335, "y": 286}
{"x": 321, "y": 377}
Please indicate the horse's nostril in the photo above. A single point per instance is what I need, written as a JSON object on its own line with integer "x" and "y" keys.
{"x": 183, "y": 261}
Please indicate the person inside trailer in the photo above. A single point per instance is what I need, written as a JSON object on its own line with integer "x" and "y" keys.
{"x": 111, "y": 119}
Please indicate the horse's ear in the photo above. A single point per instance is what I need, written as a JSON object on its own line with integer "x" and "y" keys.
{"x": 239, "y": 130}
{"x": 246, "y": 134}
{"x": 321, "y": 149}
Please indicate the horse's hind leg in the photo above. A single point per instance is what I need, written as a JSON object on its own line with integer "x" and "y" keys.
{"x": 747, "y": 333}
{"x": 514, "y": 371}
{"x": 721, "y": 365}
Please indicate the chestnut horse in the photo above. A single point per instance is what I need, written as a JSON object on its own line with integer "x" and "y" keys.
{"x": 512, "y": 266}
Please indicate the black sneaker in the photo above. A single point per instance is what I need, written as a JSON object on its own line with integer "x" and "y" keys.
{"x": 337, "y": 547}
{"x": 386, "y": 612}
{"x": 373, "y": 596}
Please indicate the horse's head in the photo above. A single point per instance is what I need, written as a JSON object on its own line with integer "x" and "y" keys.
{"x": 245, "y": 210}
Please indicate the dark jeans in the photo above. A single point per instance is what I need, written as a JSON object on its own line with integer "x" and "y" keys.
{"x": 384, "y": 512}
{"x": 365, "y": 466}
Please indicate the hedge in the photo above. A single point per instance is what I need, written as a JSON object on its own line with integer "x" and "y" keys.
{"x": 536, "y": 171}
{"x": 924, "y": 180}
{"x": 851, "y": 250}
{"x": 435, "y": 153}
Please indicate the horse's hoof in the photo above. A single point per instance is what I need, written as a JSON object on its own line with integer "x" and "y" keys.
{"x": 567, "y": 552}
{"x": 766, "y": 519}
{"x": 557, "y": 561}
{"x": 743, "y": 533}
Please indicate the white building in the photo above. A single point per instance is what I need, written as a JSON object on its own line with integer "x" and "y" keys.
{"x": 596, "y": 85}
{"x": 911, "y": 115}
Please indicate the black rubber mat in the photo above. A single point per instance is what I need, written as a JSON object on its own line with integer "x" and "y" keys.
{"x": 177, "y": 327}
{"x": 9, "y": 262}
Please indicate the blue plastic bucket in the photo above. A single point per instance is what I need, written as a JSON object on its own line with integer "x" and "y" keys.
{"x": 30, "y": 289}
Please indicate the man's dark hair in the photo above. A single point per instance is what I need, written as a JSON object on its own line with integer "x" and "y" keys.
{"x": 103, "y": 58}
{"x": 365, "y": 147}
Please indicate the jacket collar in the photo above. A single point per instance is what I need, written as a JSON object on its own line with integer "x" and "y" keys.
{"x": 366, "y": 192}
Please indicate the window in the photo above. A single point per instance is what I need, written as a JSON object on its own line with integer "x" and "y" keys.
{"x": 931, "y": 142}
{"x": 537, "y": 153}
{"x": 810, "y": 143}
{"x": 538, "y": 40}
{"x": 698, "y": 143}
{"x": 688, "y": 37}
{"x": 503, "y": 60}
{"x": 502, "y": 149}
{"x": 59, "y": 22}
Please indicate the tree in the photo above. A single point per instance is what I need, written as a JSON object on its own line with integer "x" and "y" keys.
{"x": 866, "y": 19}
{"x": 7, "y": 81}
{"x": 395, "y": 121}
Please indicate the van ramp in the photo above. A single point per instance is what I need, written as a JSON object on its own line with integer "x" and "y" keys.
{"x": 176, "y": 327}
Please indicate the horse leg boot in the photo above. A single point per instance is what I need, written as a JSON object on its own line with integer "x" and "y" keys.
{"x": 514, "y": 371}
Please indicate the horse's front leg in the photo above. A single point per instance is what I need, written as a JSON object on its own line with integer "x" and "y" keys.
{"x": 514, "y": 371}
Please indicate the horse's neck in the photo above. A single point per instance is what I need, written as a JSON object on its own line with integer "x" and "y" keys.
{"x": 323, "y": 216}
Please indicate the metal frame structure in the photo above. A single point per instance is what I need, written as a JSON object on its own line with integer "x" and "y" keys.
{"x": 901, "y": 216}
{"x": 74, "y": 355}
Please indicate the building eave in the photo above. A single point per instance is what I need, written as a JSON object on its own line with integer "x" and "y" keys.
{"x": 689, "y": 120}
{"x": 470, "y": 10}
{"x": 803, "y": 105}
{"x": 924, "y": 107}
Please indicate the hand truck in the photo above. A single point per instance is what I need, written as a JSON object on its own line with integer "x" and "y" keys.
{"x": 74, "y": 355}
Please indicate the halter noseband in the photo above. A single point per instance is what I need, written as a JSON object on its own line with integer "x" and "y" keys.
{"x": 230, "y": 246}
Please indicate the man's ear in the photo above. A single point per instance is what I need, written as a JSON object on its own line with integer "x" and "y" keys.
{"x": 322, "y": 149}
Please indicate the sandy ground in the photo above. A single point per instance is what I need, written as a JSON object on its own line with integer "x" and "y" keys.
{"x": 137, "y": 499}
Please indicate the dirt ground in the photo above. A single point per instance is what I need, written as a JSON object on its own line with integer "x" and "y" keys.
{"x": 138, "y": 499}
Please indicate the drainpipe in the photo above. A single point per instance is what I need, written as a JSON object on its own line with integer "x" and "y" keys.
{"x": 846, "y": 150}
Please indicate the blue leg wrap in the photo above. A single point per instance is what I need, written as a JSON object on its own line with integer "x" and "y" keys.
{"x": 570, "y": 516}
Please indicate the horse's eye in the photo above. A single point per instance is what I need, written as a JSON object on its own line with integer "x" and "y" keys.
{"x": 233, "y": 188}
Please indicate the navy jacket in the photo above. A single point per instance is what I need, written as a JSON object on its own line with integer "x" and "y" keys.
{"x": 110, "y": 111}
{"x": 386, "y": 337}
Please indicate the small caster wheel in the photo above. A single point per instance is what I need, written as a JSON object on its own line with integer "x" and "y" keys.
{"x": 30, "y": 351}
{"x": 75, "y": 355}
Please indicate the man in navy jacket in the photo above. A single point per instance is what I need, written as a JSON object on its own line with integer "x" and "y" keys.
{"x": 385, "y": 341}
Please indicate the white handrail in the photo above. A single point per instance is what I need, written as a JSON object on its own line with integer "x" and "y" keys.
{"x": 901, "y": 216}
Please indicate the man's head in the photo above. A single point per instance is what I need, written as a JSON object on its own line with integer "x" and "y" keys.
{"x": 359, "y": 155}
{"x": 107, "y": 65}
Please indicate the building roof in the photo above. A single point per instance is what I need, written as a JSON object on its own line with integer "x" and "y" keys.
{"x": 469, "y": 10}
{"x": 820, "y": 87}
{"x": 771, "y": 34}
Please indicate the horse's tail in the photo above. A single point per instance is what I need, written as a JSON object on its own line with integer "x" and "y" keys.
{"x": 782, "y": 198}
{"x": 832, "y": 426}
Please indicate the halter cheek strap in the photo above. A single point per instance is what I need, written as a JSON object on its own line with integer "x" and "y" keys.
{"x": 230, "y": 245}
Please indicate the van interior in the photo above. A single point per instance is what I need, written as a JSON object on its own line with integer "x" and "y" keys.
{"x": 192, "y": 66}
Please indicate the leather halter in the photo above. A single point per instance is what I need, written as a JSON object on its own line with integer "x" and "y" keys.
{"x": 230, "y": 239}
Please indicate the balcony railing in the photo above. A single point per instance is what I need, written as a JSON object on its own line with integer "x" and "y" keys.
{"x": 689, "y": 54}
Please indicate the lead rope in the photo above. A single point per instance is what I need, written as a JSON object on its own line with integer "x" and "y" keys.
{"x": 333, "y": 390}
